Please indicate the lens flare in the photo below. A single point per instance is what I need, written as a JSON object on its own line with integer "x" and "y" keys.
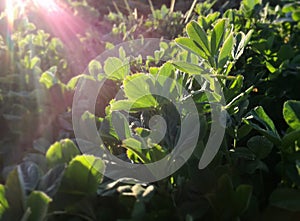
{"x": 53, "y": 16}
{"x": 46, "y": 5}
{"x": 10, "y": 11}
{"x": 14, "y": 9}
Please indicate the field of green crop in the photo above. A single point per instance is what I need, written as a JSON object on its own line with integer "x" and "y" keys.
{"x": 149, "y": 110}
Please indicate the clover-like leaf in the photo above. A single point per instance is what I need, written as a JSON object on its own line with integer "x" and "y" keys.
{"x": 38, "y": 203}
{"x": 83, "y": 175}
{"x": 197, "y": 34}
{"x": 260, "y": 121}
{"x": 260, "y": 145}
{"x": 190, "y": 45}
{"x": 291, "y": 113}
{"x": 116, "y": 69}
{"x": 61, "y": 152}
{"x": 226, "y": 51}
{"x": 217, "y": 36}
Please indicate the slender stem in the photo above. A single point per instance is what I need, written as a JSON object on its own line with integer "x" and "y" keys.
{"x": 26, "y": 214}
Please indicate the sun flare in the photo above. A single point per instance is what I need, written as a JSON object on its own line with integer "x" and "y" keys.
{"x": 14, "y": 7}
{"x": 50, "y": 15}
{"x": 46, "y": 5}
{"x": 11, "y": 6}
{"x": 10, "y": 11}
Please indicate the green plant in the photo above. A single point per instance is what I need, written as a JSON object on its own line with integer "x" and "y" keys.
{"x": 251, "y": 51}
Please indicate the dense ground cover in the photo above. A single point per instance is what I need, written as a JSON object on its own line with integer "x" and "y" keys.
{"x": 249, "y": 48}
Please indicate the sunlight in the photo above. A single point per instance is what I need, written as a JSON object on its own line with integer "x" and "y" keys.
{"x": 10, "y": 11}
{"x": 14, "y": 8}
{"x": 47, "y": 5}
{"x": 49, "y": 15}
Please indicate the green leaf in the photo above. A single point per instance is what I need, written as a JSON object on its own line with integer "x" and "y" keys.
{"x": 270, "y": 67}
{"x": 190, "y": 45}
{"x": 225, "y": 52}
{"x": 83, "y": 175}
{"x": 206, "y": 21}
{"x": 242, "y": 43}
{"x": 197, "y": 34}
{"x": 87, "y": 123}
{"x": 166, "y": 70}
{"x": 3, "y": 201}
{"x": 242, "y": 198}
{"x": 156, "y": 152}
{"x": 260, "y": 145}
{"x": 72, "y": 83}
{"x": 94, "y": 68}
{"x": 238, "y": 99}
{"x": 260, "y": 121}
{"x": 217, "y": 36}
{"x": 132, "y": 106}
{"x": 227, "y": 202}
{"x": 243, "y": 152}
{"x": 35, "y": 61}
{"x": 29, "y": 174}
{"x": 249, "y": 4}
{"x": 291, "y": 113}
{"x": 237, "y": 84}
{"x": 132, "y": 156}
{"x": 290, "y": 7}
{"x": 286, "y": 198}
{"x": 38, "y": 203}
{"x": 140, "y": 87}
{"x": 247, "y": 38}
{"x": 122, "y": 53}
{"x": 243, "y": 131}
{"x": 121, "y": 125}
{"x": 145, "y": 152}
{"x": 61, "y": 152}
{"x": 48, "y": 78}
{"x": 296, "y": 15}
{"x": 15, "y": 195}
{"x": 136, "y": 147}
{"x": 142, "y": 132}
{"x": 116, "y": 69}
{"x": 188, "y": 67}
{"x": 51, "y": 181}
{"x": 290, "y": 138}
